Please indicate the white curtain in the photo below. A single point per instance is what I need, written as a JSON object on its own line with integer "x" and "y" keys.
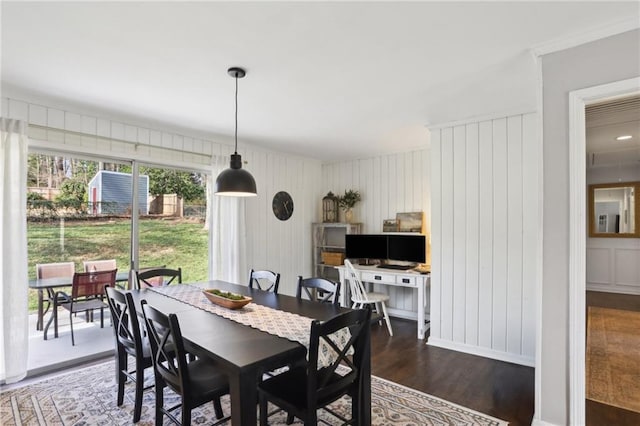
{"x": 14, "y": 333}
{"x": 227, "y": 236}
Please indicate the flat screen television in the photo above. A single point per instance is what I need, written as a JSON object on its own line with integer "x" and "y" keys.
{"x": 407, "y": 248}
{"x": 365, "y": 246}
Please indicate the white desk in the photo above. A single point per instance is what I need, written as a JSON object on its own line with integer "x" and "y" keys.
{"x": 391, "y": 277}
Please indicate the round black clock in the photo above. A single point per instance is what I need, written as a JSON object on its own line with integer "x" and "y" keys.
{"x": 282, "y": 205}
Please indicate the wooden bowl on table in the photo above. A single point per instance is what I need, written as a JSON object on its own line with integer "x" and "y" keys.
{"x": 236, "y": 301}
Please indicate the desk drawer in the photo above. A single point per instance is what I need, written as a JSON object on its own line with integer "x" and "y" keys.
{"x": 406, "y": 281}
{"x": 376, "y": 277}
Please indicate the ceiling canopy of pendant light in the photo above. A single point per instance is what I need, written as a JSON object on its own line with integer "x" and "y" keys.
{"x": 235, "y": 181}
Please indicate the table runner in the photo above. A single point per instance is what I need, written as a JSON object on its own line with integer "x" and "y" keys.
{"x": 279, "y": 323}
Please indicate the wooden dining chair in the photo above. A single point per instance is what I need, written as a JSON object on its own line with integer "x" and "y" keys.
{"x": 131, "y": 340}
{"x": 304, "y": 389}
{"x": 264, "y": 280}
{"x": 360, "y": 297}
{"x": 158, "y": 277}
{"x": 52, "y": 270}
{"x": 87, "y": 294}
{"x": 319, "y": 289}
{"x": 197, "y": 382}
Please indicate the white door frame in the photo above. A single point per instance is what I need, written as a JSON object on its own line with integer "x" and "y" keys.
{"x": 578, "y": 99}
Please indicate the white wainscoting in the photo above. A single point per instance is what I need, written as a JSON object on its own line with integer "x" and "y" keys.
{"x": 485, "y": 189}
{"x": 613, "y": 265}
{"x": 284, "y": 247}
{"x": 389, "y": 184}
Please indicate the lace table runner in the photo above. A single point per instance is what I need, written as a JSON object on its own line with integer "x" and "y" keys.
{"x": 279, "y": 323}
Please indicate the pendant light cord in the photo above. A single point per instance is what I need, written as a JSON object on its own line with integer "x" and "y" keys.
{"x": 236, "y": 130}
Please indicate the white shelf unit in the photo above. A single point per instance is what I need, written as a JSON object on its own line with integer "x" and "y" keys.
{"x": 330, "y": 237}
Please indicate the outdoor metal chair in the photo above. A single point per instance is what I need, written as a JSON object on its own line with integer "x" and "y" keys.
{"x": 87, "y": 294}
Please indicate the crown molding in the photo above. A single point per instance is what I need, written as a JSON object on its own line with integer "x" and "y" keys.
{"x": 593, "y": 34}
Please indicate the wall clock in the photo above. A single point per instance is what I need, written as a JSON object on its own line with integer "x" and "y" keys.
{"x": 282, "y": 205}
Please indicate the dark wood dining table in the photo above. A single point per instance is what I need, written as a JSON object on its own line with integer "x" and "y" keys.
{"x": 245, "y": 353}
{"x": 50, "y": 284}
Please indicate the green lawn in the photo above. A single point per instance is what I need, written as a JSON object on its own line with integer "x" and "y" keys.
{"x": 171, "y": 242}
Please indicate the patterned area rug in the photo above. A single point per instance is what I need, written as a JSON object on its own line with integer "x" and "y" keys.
{"x": 613, "y": 364}
{"x": 88, "y": 397}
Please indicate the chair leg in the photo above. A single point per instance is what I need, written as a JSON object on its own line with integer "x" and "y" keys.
{"x": 386, "y": 317}
{"x": 73, "y": 342}
{"x": 290, "y": 418}
{"x": 312, "y": 418}
{"x": 137, "y": 407}
{"x": 217, "y": 408}
{"x": 121, "y": 365}
{"x": 186, "y": 414}
{"x": 159, "y": 390}
{"x": 101, "y": 317}
{"x": 55, "y": 320}
{"x": 263, "y": 409}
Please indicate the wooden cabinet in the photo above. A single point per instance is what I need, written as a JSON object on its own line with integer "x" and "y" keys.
{"x": 328, "y": 247}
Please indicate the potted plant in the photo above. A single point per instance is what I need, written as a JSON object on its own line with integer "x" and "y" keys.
{"x": 347, "y": 201}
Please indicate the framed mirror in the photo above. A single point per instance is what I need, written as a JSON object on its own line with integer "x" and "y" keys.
{"x": 614, "y": 211}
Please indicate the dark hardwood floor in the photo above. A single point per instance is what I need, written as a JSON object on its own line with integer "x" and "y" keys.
{"x": 597, "y": 413}
{"x": 497, "y": 388}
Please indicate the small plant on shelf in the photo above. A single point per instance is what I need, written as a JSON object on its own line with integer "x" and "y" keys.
{"x": 348, "y": 201}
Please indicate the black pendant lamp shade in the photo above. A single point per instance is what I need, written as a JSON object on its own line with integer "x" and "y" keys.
{"x": 235, "y": 181}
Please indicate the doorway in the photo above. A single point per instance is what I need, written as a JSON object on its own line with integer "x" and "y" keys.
{"x": 578, "y": 100}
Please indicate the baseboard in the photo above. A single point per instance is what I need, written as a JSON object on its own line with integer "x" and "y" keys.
{"x": 607, "y": 288}
{"x": 401, "y": 313}
{"x": 538, "y": 422}
{"x": 483, "y": 352}
{"x": 73, "y": 362}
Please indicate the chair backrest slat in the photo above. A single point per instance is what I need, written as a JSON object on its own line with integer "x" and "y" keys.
{"x": 358, "y": 292}
{"x": 55, "y": 270}
{"x": 264, "y": 280}
{"x": 91, "y": 284}
{"x": 324, "y": 381}
{"x": 158, "y": 277}
{"x": 167, "y": 347}
{"x": 99, "y": 265}
{"x": 125, "y": 319}
{"x": 319, "y": 289}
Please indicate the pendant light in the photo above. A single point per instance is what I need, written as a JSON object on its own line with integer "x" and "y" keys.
{"x": 235, "y": 181}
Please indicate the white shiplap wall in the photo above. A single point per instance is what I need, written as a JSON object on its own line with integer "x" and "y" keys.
{"x": 281, "y": 246}
{"x": 485, "y": 202}
{"x": 389, "y": 184}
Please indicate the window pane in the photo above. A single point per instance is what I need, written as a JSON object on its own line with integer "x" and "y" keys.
{"x": 77, "y": 210}
{"x": 172, "y": 232}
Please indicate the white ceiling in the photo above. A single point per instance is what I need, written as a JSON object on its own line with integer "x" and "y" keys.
{"x": 605, "y": 122}
{"x": 327, "y": 80}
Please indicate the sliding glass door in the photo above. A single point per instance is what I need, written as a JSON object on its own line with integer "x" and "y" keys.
{"x": 172, "y": 227}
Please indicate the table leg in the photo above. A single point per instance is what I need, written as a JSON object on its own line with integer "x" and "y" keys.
{"x": 244, "y": 398}
{"x": 40, "y": 309}
{"x": 421, "y": 322}
{"x": 364, "y": 416}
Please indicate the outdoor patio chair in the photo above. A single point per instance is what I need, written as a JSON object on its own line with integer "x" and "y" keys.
{"x": 87, "y": 294}
{"x": 52, "y": 270}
